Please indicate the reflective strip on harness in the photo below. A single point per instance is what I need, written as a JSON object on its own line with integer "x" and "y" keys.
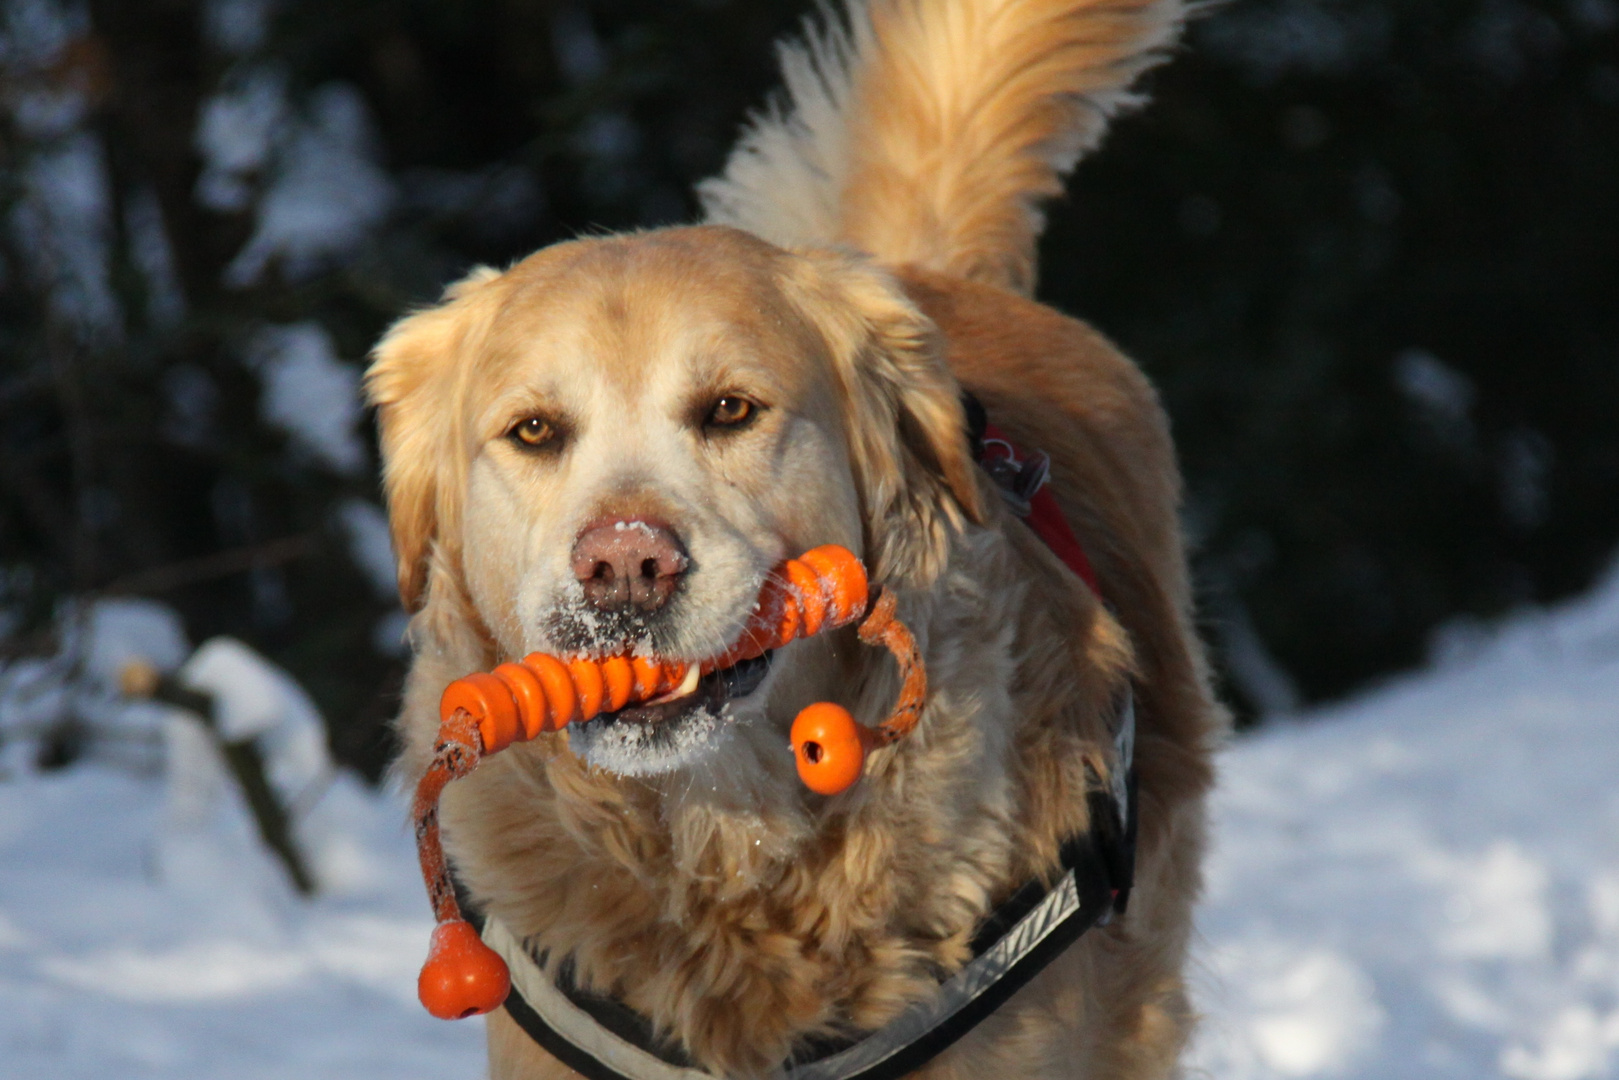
{"x": 570, "y": 1034}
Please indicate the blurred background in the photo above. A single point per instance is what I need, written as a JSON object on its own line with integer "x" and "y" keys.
{"x": 1367, "y": 249}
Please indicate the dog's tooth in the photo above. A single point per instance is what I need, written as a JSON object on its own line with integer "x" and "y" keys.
{"x": 687, "y": 687}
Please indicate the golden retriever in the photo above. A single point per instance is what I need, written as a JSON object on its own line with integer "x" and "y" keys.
{"x": 609, "y": 445}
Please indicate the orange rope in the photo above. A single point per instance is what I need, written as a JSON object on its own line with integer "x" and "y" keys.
{"x": 882, "y": 627}
{"x": 456, "y": 752}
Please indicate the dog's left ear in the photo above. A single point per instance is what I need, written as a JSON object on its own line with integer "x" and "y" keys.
{"x": 907, "y": 431}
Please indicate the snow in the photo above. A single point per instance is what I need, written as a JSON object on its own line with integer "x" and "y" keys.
{"x": 254, "y": 699}
{"x": 326, "y": 191}
{"x": 33, "y": 33}
{"x": 120, "y": 630}
{"x": 390, "y": 635}
{"x": 370, "y": 545}
{"x": 1254, "y": 671}
{"x": 113, "y": 963}
{"x": 1434, "y": 385}
{"x": 63, "y": 223}
{"x": 237, "y": 26}
{"x": 1425, "y": 881}
{"x": 636, "y": 749}
{"x": 146, "y": 932}
{"x": 1421, "y": 882}
{"x": 153, "y": 255}
{"x": 235, "y": 136}
{"x": 60, "y": 206}
{"x": 310, "y": 394}
{"x": 307, "y": 170}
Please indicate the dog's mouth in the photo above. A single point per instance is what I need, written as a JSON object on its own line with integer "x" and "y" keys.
{"x": 713, "y": 692}
{"x": 657, "y": 736}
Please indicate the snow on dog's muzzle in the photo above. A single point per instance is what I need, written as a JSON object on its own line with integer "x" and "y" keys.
{"x": 488, "y": 711}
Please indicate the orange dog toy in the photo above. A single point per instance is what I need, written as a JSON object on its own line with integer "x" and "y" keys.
{"x": 830, "y": 745}
{"x": 487, "y": 712}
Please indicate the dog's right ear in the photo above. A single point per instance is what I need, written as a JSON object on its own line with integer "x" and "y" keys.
{"x": 416, "y": 381}
{"x": 906, "y": 431}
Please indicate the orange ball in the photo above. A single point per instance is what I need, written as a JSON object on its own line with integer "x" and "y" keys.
{"x": 829, "y": 746}
{"x": 463, "y": 976}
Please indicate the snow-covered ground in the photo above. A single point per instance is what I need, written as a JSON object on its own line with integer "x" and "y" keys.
{"x": 1424, "y": 882}
{"x": 1420, "y": 882}
{"x": 112, "y": 969}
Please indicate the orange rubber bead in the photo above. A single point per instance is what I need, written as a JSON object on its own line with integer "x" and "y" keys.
{"x": 588, "y": 683}
{"x": 811, "y": 596}
{"x": 463, "y": 976}
{"x": 561, "y": 699}
{"x": 842, "y": 577}
{"x": 620, "y": 680}
{"x": 788, "y": 618}
{"x": 529, "y": 694}
{"x": 648, "y": 677}
{"x": 671, "y": 673}
{"x": 829, "y": 747}
{"x": 485, "y": 697}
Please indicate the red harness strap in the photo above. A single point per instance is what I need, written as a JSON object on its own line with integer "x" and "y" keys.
{"x": 1044, "y": 515}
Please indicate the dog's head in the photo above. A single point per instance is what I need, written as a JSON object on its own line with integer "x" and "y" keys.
{"x": 609, "y": 446}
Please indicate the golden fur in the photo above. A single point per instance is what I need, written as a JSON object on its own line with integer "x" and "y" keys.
{"x": 708, "y": 890}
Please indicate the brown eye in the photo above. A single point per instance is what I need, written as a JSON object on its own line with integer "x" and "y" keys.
{"x": 731, "y": 411}
{"x": 533, "y": 432}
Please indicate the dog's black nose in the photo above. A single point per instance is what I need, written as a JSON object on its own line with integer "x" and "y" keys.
{"x": 627, "y": 564}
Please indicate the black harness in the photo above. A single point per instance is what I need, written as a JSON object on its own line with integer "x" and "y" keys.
{"x": 602, "y": 1039}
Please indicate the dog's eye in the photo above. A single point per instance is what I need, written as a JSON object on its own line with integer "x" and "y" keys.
{"x": 731, "y": 411}
{"x": 534, "y": 432}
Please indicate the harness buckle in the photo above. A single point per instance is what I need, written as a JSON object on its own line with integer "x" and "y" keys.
{"x": 1018, "y": 480}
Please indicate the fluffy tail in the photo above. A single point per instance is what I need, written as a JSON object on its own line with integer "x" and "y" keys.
{"x": 928, "y": 131}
